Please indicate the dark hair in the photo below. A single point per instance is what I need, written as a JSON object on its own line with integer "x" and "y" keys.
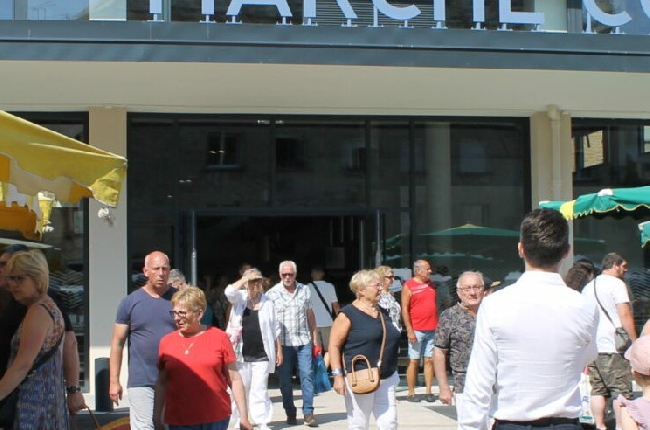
{"x": 610, "y": 260}
{"x": 577, "y": 277}
{"x": 587, "y": 265}
{"x": 16, "y": 247}
{"x": 545, "y": 238}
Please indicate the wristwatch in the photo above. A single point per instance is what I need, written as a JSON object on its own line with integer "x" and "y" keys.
{"x": 336, "y": 372}
{"x": 72, "y": 390}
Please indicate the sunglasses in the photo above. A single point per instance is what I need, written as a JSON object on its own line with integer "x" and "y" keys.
{"x": 16, "y": 278}
{"x": 287, "y": 275}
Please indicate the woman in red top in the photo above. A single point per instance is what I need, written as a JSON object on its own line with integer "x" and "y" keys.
{"x": 196, "y": 364}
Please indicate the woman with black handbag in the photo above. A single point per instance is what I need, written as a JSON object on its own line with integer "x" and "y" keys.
{"x": 34, "y": 377}
{"x": 363, "y": 347}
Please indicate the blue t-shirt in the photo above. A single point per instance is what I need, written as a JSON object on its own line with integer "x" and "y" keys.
{"x": 148, "y": 320}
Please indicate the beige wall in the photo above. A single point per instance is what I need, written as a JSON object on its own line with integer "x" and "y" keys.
{"x": 107, "y": 246}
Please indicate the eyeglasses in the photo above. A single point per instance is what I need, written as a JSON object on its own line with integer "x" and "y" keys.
{"x": 288, "y": 275}
{"x": 180, "y": 314}
{"x": 390, "y": 276}
{"x": 256, "y": 281}
{"x": 377, "y": 285}
{"x": 473, "y": 288}
{"x": 16, "y": 278}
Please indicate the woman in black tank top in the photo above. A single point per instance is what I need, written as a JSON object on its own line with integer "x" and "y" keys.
{"x": 358, "y": 330}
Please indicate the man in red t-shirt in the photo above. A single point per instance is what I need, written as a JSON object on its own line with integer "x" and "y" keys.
{"x": 420, "y": 316}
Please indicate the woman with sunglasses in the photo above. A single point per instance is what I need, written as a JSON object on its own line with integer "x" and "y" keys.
{"x": 386, "y": 300}
{"x": 360, "y": 328}
{"x": 196, "y": 365}
{"x": 254, "y": 331}
{"x": 36, "y": 360}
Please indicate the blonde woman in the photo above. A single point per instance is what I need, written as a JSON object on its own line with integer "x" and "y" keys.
{"x": 41, "y": 402}
{"x": 386, "y": 300}
{"x": 254, "y": 331}
{"x": 358, "y": 330}
{"x": 196, "y": 365}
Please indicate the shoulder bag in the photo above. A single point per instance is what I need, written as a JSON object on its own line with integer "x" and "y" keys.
{"x": 622, "y": 340}
{"x": 367, "y": 380}
{"x": 8, "y": 404}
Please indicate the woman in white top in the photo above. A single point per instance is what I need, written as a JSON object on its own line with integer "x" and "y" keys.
{"x": 254, "y": 333}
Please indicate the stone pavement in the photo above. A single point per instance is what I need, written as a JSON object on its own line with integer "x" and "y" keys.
{"x": 330, "y": 413}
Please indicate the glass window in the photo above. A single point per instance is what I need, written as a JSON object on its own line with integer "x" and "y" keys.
{"x": 613, "y": 154}
{"x": 476, "y": 177}
{"x": 320, "y": 163}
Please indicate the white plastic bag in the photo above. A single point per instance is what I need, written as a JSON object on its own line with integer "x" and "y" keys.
{"x": 586, "y": 417}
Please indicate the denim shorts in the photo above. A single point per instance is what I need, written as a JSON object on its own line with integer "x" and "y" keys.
{"x": 424, "y": 345}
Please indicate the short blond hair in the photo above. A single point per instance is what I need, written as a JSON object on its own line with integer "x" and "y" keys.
{"x": 384, "y": 271}
{"x": 192, "y": 297}
{"x": 33, "y": 264}
{"x": 361, "y": 279}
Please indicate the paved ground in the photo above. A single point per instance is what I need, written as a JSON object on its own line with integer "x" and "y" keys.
{"x": 330, "y": 413}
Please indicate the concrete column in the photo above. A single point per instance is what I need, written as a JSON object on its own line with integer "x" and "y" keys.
{"x": 437, "y": 156}
{"x": 108, "y": 260}
{"x": 552, "y": 160}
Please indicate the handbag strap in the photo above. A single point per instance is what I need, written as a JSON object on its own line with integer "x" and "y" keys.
{"x": 383, "y": 342}
{"x": 601, "y": 305}
{"x": 383, "y": 338}
{"x": 50, "y": 352}
{"x": 322, "y": 299}
{"x": 73, "y": 420}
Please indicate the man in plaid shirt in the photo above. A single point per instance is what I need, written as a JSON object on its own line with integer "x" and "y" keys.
{"x": 298, "y": 331}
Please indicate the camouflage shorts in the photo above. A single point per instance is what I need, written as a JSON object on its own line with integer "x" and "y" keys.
{"x": 610, "y": 375}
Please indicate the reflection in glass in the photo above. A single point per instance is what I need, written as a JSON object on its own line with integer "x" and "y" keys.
{"x": 57, "y": 10}
{"x": 613, "y": 154}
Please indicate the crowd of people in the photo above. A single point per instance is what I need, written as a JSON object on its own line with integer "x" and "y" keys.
{"x": 516, "y": 357}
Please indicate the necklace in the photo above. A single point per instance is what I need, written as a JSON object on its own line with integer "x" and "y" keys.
{"x": 371, "y": 308}
{"x": 187, "y": 350}
{"x": 252, "y": 302}
{"x": 193, "y": 337}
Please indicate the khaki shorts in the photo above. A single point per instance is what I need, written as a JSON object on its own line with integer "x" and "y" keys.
{"x": 324, "y": 337}
{"x": 610, "y": 376}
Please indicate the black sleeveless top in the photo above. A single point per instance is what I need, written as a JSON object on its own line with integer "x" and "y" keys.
{"x": 253, "y": 346}
{"x": 365, "y": 338}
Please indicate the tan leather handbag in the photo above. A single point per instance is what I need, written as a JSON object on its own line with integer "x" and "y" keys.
{"x": 367, "y": 380}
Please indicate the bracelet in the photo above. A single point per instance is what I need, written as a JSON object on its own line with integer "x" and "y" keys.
{"x": 72, "y": 390}
{"x": 336, "y": 372}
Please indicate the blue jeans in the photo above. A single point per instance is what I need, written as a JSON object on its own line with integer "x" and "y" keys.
{"x": 296, "y": 356}
{"x": 217, "y": 425}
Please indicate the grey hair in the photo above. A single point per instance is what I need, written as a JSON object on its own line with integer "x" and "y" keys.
{"x": 176, "y": 275}
{"x": 470, "y": 273}
{"x": 290, "y": 263}
{"x": 253, "y": 271}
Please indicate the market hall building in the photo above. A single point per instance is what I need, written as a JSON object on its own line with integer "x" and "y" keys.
{"x": 335, "y": 133}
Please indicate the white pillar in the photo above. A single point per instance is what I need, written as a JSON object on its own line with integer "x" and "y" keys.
{"x": 108, "y": 260}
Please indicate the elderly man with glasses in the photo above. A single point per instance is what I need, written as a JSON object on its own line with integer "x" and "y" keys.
{"x": 455, "y": 336}
{"x": 298, "y": 331}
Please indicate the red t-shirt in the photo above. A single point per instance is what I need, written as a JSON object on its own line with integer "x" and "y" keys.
{"x": 196, "y": 389}
{"x": 422, "y": 306}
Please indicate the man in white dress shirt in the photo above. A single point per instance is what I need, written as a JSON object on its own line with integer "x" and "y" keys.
{"x": 533, "y": 340}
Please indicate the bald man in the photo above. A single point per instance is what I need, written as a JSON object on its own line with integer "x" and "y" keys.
{"x": 142, "y": 318}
